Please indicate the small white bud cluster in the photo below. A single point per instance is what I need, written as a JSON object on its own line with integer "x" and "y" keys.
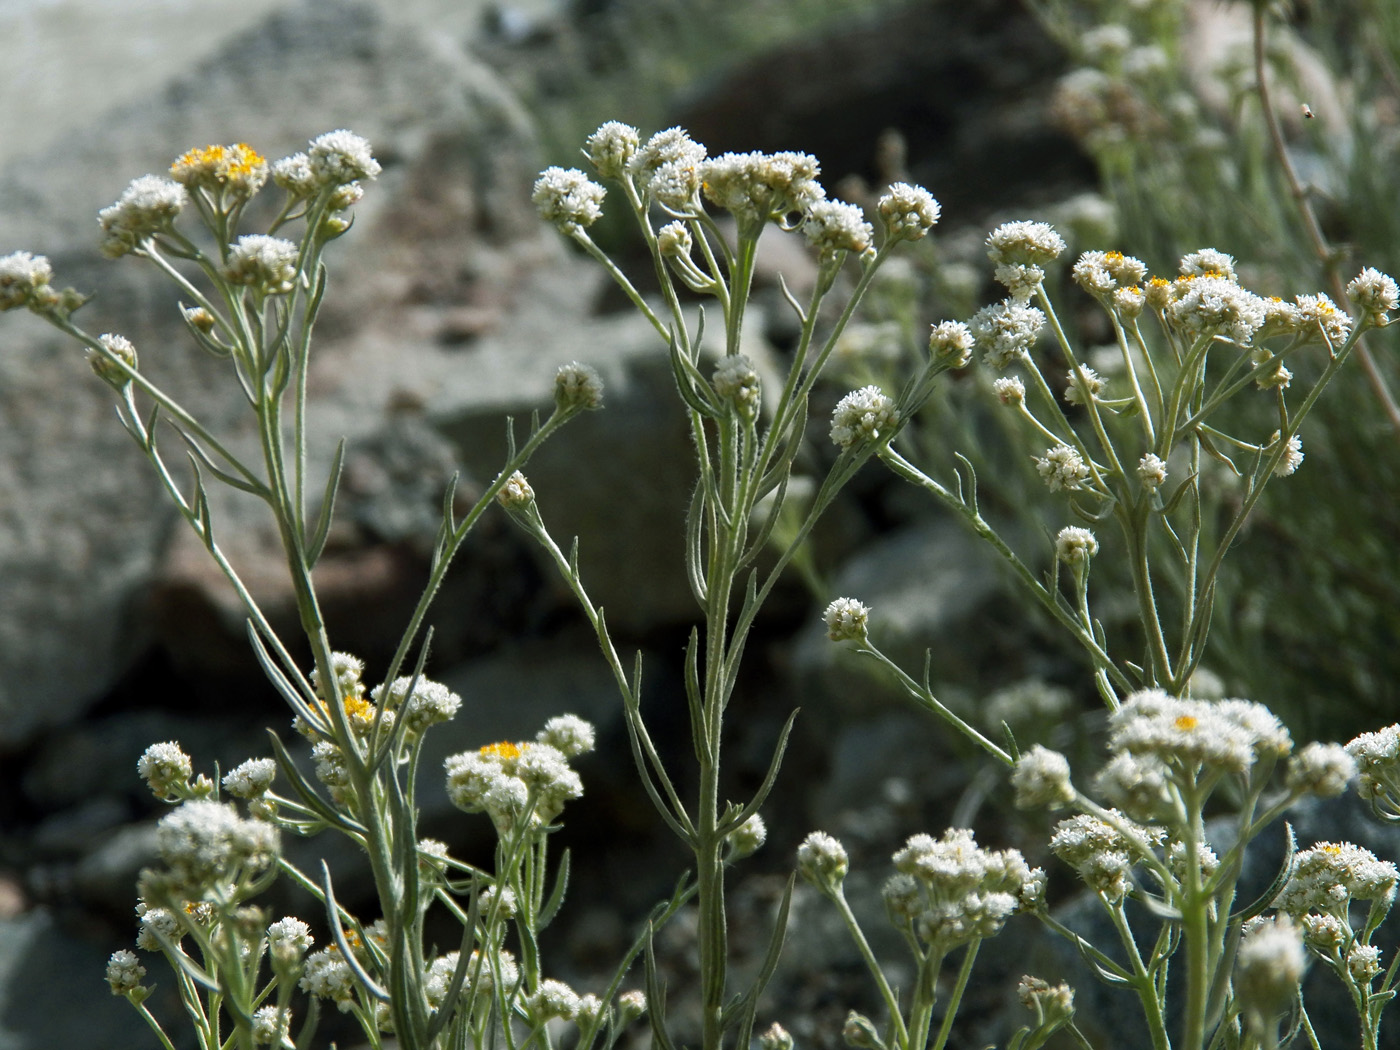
{"x": 1137, "y": 784}
{"x": 1152, "y": 472}
{"x": 24, "y": 281}
{"x": 1024, "y": 243}
{"x": 736, "y": 380}
{"x": 288, "y": 940}
{"x": 847, "y": 620}
{"x": 516, "y": 493}
{"x": 1321, "y": 769}
{"x": 1102, "y": 274}
{"x": 1292, "y": 457}
{"x": 155, "y": 924}
{"x": 430, "y": 703}
{"x": 1010, "y": 390}
{"x": 1377, "y": 758}
{"x": 907, "y": 212}
{"x": 1051, "y": 1003}
{"x": 1269, "y": 965}
{"x": 1006, "y": 330}
{"x": 552, "y": 999}
{"x": 1041, "y": 779}
{"x": 119, "y": 347}
{"x": 822, "y": 861}
{"x": 328, "y": 976}
{"x": 165, "y": 768}
{"x": 1075, "y": 546}
{"x": 266, "y": 264}
{"x": 833, "y": 227}
{"x": 762, "y": 187}
{"x": 250, "y": 779}
{"x": 577, "y": 387}
{"x": 666, "y": 169}
{"x": 124, "y": 972}
{"x": 148, "y": 206}
{"x": 568, "y": 198}
{"x": 1375, "y": 293}
{"x": 271, "y": 1026}
{"x": 775, "y": 1037}
{"x": 950, "y": 891}
{"x": 862, "y": 416}
{"x": 205, "y": 843}
{"x": 612, "y": 147}
{"x": 1082, "y": 385}
{"x": 1101, "y": 854}
{"x": 951, "y": 341}
{"x": 572, "y": 735}
{"x": 1211, "y": 304}
{"x": 631, "y": 1005}
{"x": 748, "y": 838}
{"x": 1319, "y": 317}
{"x": 1062, "y": 469}
{"x": 339, "y": 158}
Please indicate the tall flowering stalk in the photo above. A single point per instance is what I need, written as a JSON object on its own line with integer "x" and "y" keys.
{"x": 251, "y": 300}
{"x": 745, "y": 439}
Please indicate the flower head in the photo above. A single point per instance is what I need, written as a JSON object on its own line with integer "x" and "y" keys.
{"x": 24, "y": 280}
{"x": 863, "y": 415}
{"x": 822, "y": 861}
{"x": 736, "y": 380}
{"x": 1375, "y": 293}
{"x": 1006, "y": 330}
{"x": 846, "y": 620}
{"x": 1041, "y": 778}
{"x": 667, "y": 169}
{"x": 1269, "y": 965}
{"x": 761, "y": 187}
{"x": 612, "y": 147}
{"x": 951, "y": 341}
{"x": 570, "y": 734}
{"x": 340, "y": 157}
{"x": 429, "y": 704}
{"x": 1062, "y": 468}
{"x": 833, "y": 227}
{"x": 1321, "y": 769}
{"x": 148, "y": 206}
{"x": 577, "y": 387}
{"x": 124, "y": 972}
{"x": 239, "y": 168}
{"x": 250, "y": 779}
{"x": 204, "y": 842}
{"x": 165, "y": 767}
{"x": 1208, "y": 261}
{"x": 568, "y": 198}
{"x": 1152, "y": 472}
{"x": 907, "y": 212}
{"x": 119, "y": 347}
{"x": 1075, "y": 546}
{"x": 266, "y": 264}
{"x": 1024, "y": 243}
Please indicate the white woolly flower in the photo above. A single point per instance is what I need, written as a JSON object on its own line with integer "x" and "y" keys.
{"x": 267, "y": 264}
{"x": 328, "y": 976}
{"x": 1319, "y": 315}
{"x": 1075, "y": 546}
{"x": 22, "y": 275}
{"x": 1229, "y": 735}
{"x": 430, "y": 703}
{"x": 1137, "y": 784}
{"x": 1101, "y": 274}
{"x": 570, "y": 734}
{"x": 951, "y": 341}
{"x": 1062, "y": 468}
{"x": 747, "y": 838}
{"x": 834, "y": 226}
{"x": 775, "y": 1037}
{"x": 204, "y": 841}
{"x": 271, "y": 1026}
{"x": 164, "y": 767}
{"x": 862, "y": 415}
{"x": 667, "y": 168}
{"x": 340, "y": 157}
{"x": 631, "y": 1005}
{"x": 846, "y": 620}
{"x": 822, "y": 860}
{"x": 1129, "y": 302}
{"x": 1025, "y": 243}
{"x": 762, "y": 187}
{"x": 120, "y": 347}
{"x": 1375, "y": 293}
{"x": 1269, "y": 965}
{"x": 612, "y": 147}
{"x": 348, "y": 670}
{"x": 1103, "y": 855}
{"x": 1321, "y": 769}
{"x": 577, "y": 386}
{"x": 124, "y": 972}
{"x": 146, "y": 207}
{"x": 1292, "y": 456}
{"x": 552, "y": 999}
{"x": 1020, "y": 280}
{"x": 568, "y": 198}
{"x": 288, "y": 940}
{"x": 907, "y": 212}
{"x": 1152, "y": 472}
{"x": 1082, "y": 385}
{"x": 155, "y": 924}
{"x": 1376, "y": 756}
{"x": 1363, "y": 962}
{"x": 1010, "y": 390}
{"x": 294, "y": 175}
{"x": 251, "y": 778}
{"x": 1006, "y": 330}
{"x": 1330, "y": 875}
{"x": 674, "y": 241}
{"x": 1104, "y": 43}
{"x": 1041, "y": 778}
{"x": 736, "y": 380}
{"x": 1208, "y": 261}
{"x": 1210, "y": 304}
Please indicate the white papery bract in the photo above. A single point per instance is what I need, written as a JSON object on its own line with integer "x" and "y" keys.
{"x": 862, "y": 415}
{"x": 340, "y": 157}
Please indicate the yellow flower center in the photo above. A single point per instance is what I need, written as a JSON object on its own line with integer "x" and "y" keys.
{"x": 1186, "y": 722}
{"x": 504, "y": 750}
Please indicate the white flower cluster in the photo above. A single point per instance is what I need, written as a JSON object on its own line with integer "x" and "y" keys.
{"x": 667, "y": 170}
{"x": 349, "y": 676}
{"x": 1009, "y": 390}
{"x": 1377, "y": 758}
{"x": 570, "y": 734}
{"x": 328, "y": 976}
{"x": 577, "y": 386}
{"x": 507, "y": 780}
{"x": 271, "y": 1026}
{"x": 1102, "y": 274}
{"x": 429, "y": 704}
{"x": 1210, "y": 303}
{"x": 341, "y": 157}
{"x": 287, "y": 940}
{"x": 1320, "y": 769}
{"x": 1006, "y": 330}
{"x": 1226, "y": 735}
{"x": 165, "y": 767}
{"x": 951, "y": 341}
{"x": 612, "y": 147}
{"x": 833, "y": 227}
{"x": 822, "y": 861}
{"x": 238, "y": 170}
{"x": 1292, "y": 456}
{"x": 1208, "y": 261}
{"x": 206, "y": 842}
{"x": 862, "y": 415}
{"x": 1025, "y": 244}
{"x": 1062, "y": 469}
{"x": 251, "y": 778}
{"x": 119, "y": 347}
{"x": 907, "y": 212}
{"x": 846, "y": 620}
{"x": 24, "y": 281}
{"x": 1075, "y": 546}
{"x": 762, "y": 187}
{"x": 568, "y": 198}
{"x": 950, "y": 891}
{"x": 149, "y": 205}
{"x": 1330, "y": 875}
{"x": 1101, "y": 854}
{"x": 1375, "y": 293}
{"x": 1269, "y": 964}
{"x": 1041, "y": 779}
{"x": 1152, "y": 472}
{"x": 124, "y": 972}
{"x": 736, "y": 380}
{"x": 1318, "y": 316}
{"x": 155, "y": 924}
{"x": 552, "y": 999}
{"x": 1082, "y": 385}
{"x": 266, "y": 264}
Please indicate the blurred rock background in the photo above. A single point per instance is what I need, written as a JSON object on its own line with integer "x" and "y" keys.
{"x": 450, "y": 307}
